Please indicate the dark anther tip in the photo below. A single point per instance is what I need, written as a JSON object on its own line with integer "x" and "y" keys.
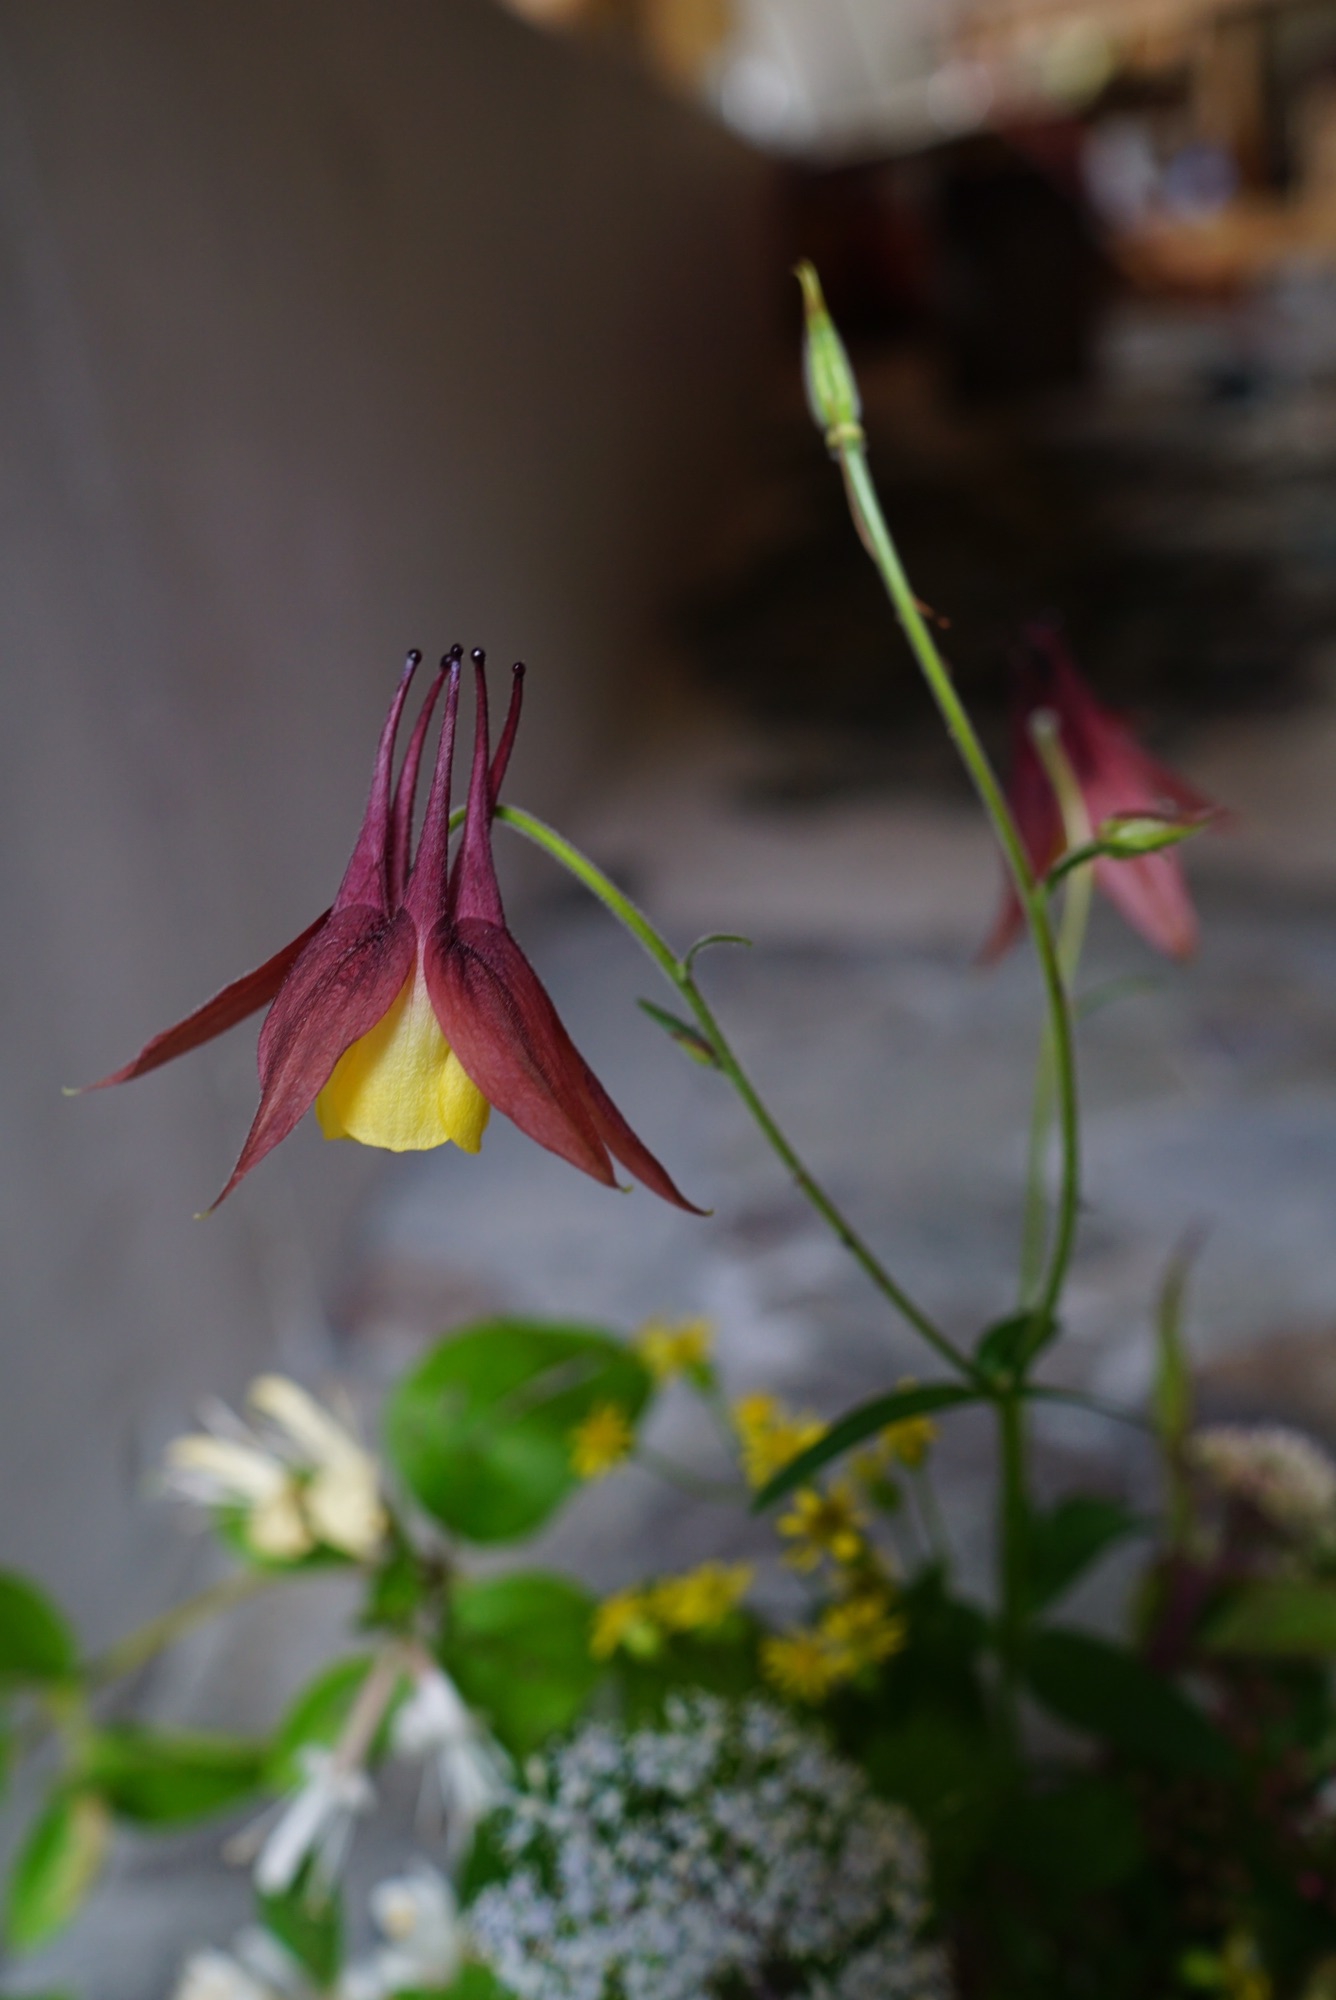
{"x": 519, "y": 670}
{"x": 456, "y": 652}
{"x": 478, "y": 656}
{"x": 414, "y": 657}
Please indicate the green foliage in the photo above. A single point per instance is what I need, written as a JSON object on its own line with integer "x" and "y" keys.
{"x": 475, "y": 1982}
{"x": 315, "y": 1717}
{"x": 167, "y": 1777}
{"x": 518, "y": 1649}
{"x": 688, "y": 1039}
{"x": 1081, "y": 1837}
{"x": 722, "y": 1661}
{"x": 1065, "y": 1542}
{"x": 856, "y": 1426}
{"x": 1110, "y": 1693}
{"x": 56, "y": 1867}
{"x": 1292, "y": 1616}
{"x": 308, "y": 1925}
{"x": 1006, "y": 1349}
{"x": 36, "y": 1644}
{"x": 480, "y": 1431}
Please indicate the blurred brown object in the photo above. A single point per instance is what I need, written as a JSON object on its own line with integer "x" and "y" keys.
{"x": 681, "y": 36}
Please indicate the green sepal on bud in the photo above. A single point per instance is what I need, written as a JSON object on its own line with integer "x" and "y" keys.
{"x": 1128, "y": 834}
{"x": 688, "y": 1038}
{"x": 832, "y": 392}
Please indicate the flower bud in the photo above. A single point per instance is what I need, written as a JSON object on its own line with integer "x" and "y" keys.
{"x": 1128, "y": 834}
{"x": 832, "y": 392}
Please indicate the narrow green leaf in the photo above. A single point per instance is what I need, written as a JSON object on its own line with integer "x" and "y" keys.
{"x": 309, "y": 1927}
{"x": 1114, "y": 1696}
{"x": 1287, "y": 1617}
{"x": 1005, "y": 1349}
{"x": 687, "y": 1038}
{"x": 518, "y": 1646}
{"x": 167, "y": 1777}
{"x": 1065, "y": 1541}
{"x": 36, "y": 1644}
{"x": 56, "y": 1867}
{"x": 858, "y": 1424}
{"x": 481, "y": 1429}
{"x": 1171, "y": 1390}
{"x": 705, "y": 943}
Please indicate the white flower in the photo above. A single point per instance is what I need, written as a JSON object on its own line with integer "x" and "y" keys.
{"x": 257, "y": 1968}
{"x": 304, "y": 1482}
{"x": 418, "y": 1916}
{"x": 436, "y": 1724}
{"x": 315, "y": 1822}
{"x": 1288, "y": 1479}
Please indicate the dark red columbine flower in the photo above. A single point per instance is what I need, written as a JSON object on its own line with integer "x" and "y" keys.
{"x": 1117, "y": 778}
{"x": 407, "y": 1010}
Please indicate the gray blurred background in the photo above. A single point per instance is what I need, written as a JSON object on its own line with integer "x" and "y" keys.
{"x": 334, "y": 329}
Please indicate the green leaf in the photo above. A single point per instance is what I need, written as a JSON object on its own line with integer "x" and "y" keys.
{"x": 1289, "y": 1617}
{"x": 1171, "y": 1390}
{"x": 1005, "y": 1349}
{"x": 689, "y": 1039}
{"x": 395, "y": 1593}
{"x": 1065, "y": 1541}
{"x": 1081, "y": 1839}
{"x": 475, "y": 1982}
{"x": 166, "y": 1777}
{"x": 518, "y": 1647}
{"x": 480, "y": 1430}
{"x": 315, "y": 1717}
{"x": 36, "y": 1644}
{"x": 307, "y": 1926}
{"x": 1112, "y": 1694}
{"x": 707, "y": 943}
{"x": 56, "y": 1867}
{"x": 860, "y": 1423}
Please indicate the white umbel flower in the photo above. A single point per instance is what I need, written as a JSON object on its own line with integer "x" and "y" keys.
{"x": 437, "y": 1726}
{"x": 729, "y": 1850}
{"x": 301, "y": 1482}
{"x": 1288, "y": 1479}
{"x": 418, "y": 1916}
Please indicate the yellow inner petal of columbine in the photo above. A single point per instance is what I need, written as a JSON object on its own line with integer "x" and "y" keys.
{"x": 401, "y": 1085}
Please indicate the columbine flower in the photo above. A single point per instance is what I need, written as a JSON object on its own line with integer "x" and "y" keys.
{"x": 769, "y": 1437}
{"x": 314, "y": 1824}
{"x": 726, "y": 1851}
{"x": 437, "y": 1725}
{"x": 668, "y": 1351}
{"x": 407, "y": 1010}
{"x": 257, "y": 1968}
{"x": 418, "y": 1917}
{"x": 702, "y": 1598}
{"x": 1288, "y": 1479}
{"x": 1117, "y": 777}
{"x": 601, "y": 1441}
{"x": 821, "y": 1525}
{"x": 305, "y": 1482}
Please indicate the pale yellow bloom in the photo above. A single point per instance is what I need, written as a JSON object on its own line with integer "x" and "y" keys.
{"x": 624, "y": 1623}
{"x": 770, "y": 1437}
{"x": 863, "y": 1630}
{"x": 801, "y": 1665}
{"x": 821, "y": 1525}
{"x": 702, "y": 1598}
{"x": 671, "y": 1350}
{"x": 601, "y": 1441}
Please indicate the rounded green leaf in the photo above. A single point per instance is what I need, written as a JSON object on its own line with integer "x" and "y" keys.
{"x": 57, "y": 1866}
{"x": 36, "y": 1644}
{"x": 480, "y": 1431}
{"x": 518, "y": 1647}
{"x": 166, "y": 1777}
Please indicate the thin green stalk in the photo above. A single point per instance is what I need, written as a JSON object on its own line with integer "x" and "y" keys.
{"x": 1013, "y": 1544}
{"x": 678, "y": 972}
{"x": 128, "y": 1655}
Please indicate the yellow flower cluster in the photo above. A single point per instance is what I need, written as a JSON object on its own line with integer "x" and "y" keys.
{"x": 601, "y": 1441}
{"x": 809, "y": 1662}
{"x": 824, "y": 1525}
{"x": 636, "y": 1621}
{"x": 669, "y": 1350}
{"x": 906, "y": 1443}
{"x": 769, "y": 1436}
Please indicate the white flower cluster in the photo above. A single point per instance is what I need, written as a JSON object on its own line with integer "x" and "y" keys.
{"x": 1288, "y": 1479}
{"x": 729, "y": 1851}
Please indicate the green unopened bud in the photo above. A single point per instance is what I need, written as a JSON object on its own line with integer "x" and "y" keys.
{"x": 1128, "y": 834}
{"x": 832, "y": 392}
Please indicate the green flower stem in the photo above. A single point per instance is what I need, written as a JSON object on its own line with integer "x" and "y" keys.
{"x": 848, "y": 445}
{"x": 1013, "y": 1547}
{"x": 679, "y": 973}
{"x": 128, "y": 1655}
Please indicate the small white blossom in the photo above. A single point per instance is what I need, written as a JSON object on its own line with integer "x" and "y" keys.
{"x": 314, "y": 1822}
{"x": 729, "y": 1850}
{"x": 257, "y": 1968}
{"x": 1288, "y": 1479}
{"x": 471, "y": 1769}
{"x": 417, "y": 1915}
{"x": 304, "y": 1481}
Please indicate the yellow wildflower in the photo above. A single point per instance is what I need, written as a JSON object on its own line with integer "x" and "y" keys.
{"x": 801, "y": 1665}
{"x": 701, "y": 1598}
{"x": 824, "y": 1524}
{"x": 624, "y": 1622}
{"x": 770, "y": 1437}
{"x": 671, "y": 1350}
{"x": 910, "y": 1440}
{"x": 863, "y": 1630}
{"x": 601, "y": 1441}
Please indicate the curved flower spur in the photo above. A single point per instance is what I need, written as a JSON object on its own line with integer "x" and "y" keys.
{"x": 407, "y": 1010}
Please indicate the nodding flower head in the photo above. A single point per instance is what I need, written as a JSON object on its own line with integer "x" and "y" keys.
{"x": 407, "y": 1010}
